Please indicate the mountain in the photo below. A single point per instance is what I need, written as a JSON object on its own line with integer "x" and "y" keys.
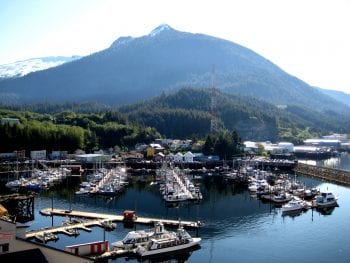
{"x": 337, "y": 95}
{"x": 185, "y": 112}
{"x": 134, "y": 69}
{"x": 24, "y": 67}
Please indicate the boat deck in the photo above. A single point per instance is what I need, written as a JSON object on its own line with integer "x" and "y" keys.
{"x": 118, "y": 218}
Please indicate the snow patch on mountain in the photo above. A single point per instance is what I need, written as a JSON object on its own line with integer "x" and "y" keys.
{"x": 159, "y": 29}
{"x": 24, "y": 67}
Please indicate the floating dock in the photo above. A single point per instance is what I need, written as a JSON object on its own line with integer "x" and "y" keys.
{"x": 118, "y": 218}
{"x": 63, "y": 229}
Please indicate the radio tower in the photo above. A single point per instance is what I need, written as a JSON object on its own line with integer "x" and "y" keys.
{"x": 213, "y": 120}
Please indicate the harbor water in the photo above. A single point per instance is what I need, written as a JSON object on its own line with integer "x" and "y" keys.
{"x": 238, "y": 227}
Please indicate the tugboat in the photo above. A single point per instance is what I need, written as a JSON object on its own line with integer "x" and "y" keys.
{"x": 176, "y": 241}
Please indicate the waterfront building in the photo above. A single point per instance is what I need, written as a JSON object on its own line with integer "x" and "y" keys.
{"x": 188, "y": 157}
{"x": 38, "y": 155}
{"x": 323, "y": 143}
{"x": 250, "y": 147}
{"x": 92, "y": 157}
{"x": 178, "y": 158}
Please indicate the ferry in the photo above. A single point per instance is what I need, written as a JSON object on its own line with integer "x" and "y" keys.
{"x": 175, "y": 242}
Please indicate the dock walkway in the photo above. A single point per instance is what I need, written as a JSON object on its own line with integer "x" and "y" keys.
{"x": 63, "y": 229}
{"x": 118, "y": 218}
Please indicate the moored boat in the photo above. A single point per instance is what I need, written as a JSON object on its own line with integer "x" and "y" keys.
{"x": 141, "y": 237}
{"x": 178, "y": 241}
{"x": 326, "y": 199}
{"x": 294, "y": 206}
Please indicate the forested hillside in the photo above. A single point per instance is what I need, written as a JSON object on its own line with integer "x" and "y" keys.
{"x": 70, "y": 131}
{"x": 186, "y": 112}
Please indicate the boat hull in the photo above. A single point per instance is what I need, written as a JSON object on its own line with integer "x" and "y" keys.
{"x": 147, "y": 253}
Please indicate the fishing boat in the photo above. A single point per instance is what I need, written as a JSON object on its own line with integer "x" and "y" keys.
{"x": 326, "y": 199}
{"x": 181, "y": 240}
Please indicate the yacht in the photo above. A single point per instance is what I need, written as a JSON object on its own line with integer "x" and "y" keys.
{"x": 326, "y": 199}
{"x": 293, "y": 206}
{"x": 141, "y": 237}
{"x": 176, "y": 241}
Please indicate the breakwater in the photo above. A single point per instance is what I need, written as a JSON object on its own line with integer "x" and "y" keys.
{"x": 325, "y": 173}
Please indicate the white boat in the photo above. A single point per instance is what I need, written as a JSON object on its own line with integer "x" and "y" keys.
{"x": 326, "y": 199}
{"x": 45, "y": 237}
{"x": 294, "y": 206}
{"x": 175, "y": 242}
{"x": 177, "y": 197}
{"x": 109, "y": 225}
{"x": 141, "y": 237}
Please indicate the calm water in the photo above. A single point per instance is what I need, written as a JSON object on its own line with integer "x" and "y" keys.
{"x": 238, "y": 227}
{"x": 341, "y": 162}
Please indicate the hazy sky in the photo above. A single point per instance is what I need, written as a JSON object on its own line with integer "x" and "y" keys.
{"x": 307, "y": 38}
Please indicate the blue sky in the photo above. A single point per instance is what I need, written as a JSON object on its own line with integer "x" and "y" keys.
{"x": 307, "y": 38}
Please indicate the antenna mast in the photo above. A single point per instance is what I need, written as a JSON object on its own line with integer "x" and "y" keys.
{"x": 213, "y": 120}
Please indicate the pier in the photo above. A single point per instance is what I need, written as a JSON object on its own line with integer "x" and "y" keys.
{"x": 20, "y": 206}
{"x": 328, "y": 174}
{"x": 118, "y": 218}
{"x": 63, "y": 229}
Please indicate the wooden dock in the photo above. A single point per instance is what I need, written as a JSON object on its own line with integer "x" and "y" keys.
{"x": 118, "y": 218}
{"x": 325, "y": 173}
{"x": 63, "y": 229}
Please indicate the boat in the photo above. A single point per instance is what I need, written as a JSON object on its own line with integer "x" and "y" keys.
{"x": 72, "y": 231}
{"x": 294, "y": 206}
{"x": 326, "y": 199}
{"x": 141, "y": 237}
{"x": 108, "y": 225}
{"x": 45, "y": 237}
{"x": 281, "y": 198}
{"x": 181, "y": 240}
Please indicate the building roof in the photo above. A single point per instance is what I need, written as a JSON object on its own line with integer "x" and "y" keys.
{"x": 321, "y": 140}
{"x": 28, "y": 256}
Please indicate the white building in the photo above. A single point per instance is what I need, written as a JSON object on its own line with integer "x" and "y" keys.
{"x": 188, "y": 157}
{"x": 250, "y": 147}
{"x": 38, "y": 155}
{"x": 92, "y": 157}
{"x": 178, "y": 158}
{"x": 286, "y": 147}
{"x": 323, "y": 143}
{"x": 170, "y": 157}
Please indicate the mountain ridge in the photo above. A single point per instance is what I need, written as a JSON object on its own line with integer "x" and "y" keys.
{"x": 134, "y": 69}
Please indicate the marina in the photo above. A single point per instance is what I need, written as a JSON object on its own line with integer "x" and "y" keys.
{"x": 118, "y": 218}
{"x": 229, "y": 215}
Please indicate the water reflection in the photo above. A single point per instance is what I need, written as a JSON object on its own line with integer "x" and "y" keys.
{"x": 237, "y": 225}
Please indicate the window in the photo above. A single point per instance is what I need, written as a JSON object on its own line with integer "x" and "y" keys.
{"x": 4, "y": 247}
